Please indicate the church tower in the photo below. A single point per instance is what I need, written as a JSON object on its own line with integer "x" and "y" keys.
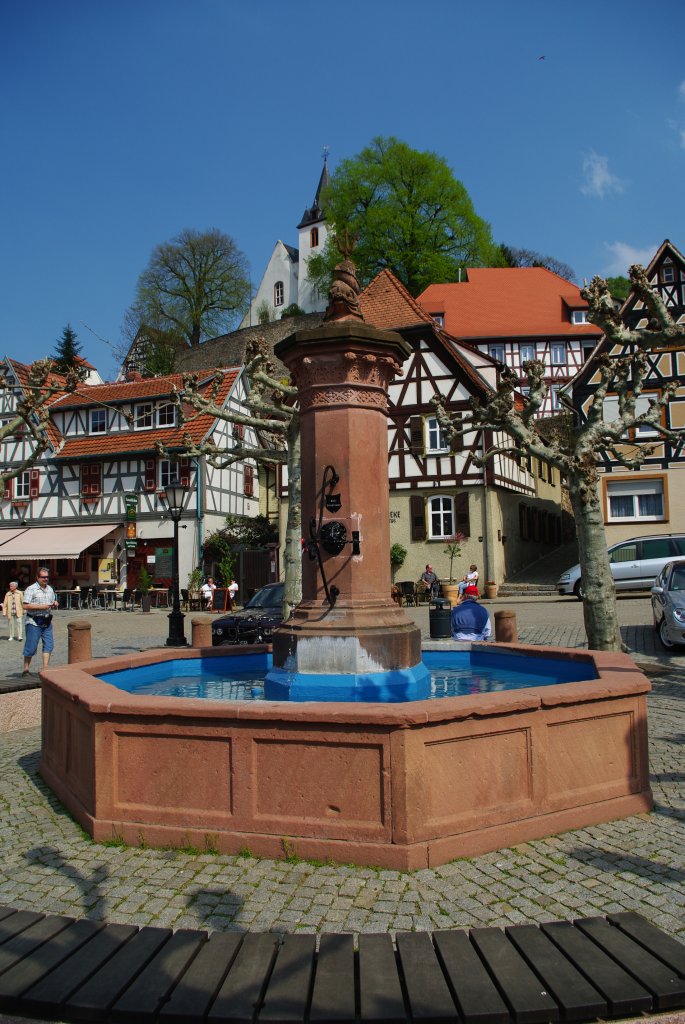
{"x": 312, "y": 232}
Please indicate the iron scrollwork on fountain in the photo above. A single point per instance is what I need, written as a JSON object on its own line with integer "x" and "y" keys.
{"x": 332, "y": 535}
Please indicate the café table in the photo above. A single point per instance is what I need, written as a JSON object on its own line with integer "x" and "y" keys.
{"x": 69, "y": 599}
{"x": 159, "y": 597}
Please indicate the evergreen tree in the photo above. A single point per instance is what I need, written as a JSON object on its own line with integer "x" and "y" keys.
{"x": 68, "y": 351}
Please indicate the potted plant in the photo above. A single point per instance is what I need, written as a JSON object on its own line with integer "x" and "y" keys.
{"x": 490, "y": 589}
{"x": 452, "y": 549}
{"x": 144, "y": 586}
{"x": 398, "y": 553}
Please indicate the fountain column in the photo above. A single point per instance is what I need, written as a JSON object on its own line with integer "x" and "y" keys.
{"x": 347, "y": 639}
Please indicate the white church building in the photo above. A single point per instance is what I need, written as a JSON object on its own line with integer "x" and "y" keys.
{"x": 285, "y": 279}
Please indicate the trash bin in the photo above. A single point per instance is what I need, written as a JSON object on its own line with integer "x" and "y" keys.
{"x": 439, "y": 614}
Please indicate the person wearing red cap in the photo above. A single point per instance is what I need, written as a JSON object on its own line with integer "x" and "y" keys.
{"x": 469, "y": 620}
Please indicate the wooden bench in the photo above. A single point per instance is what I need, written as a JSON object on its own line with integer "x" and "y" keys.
{"x": 82, "y": 970}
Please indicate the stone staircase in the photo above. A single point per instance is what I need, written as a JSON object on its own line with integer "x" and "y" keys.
{"x": 526, "y": 589}
{"x": 539, "y": 579}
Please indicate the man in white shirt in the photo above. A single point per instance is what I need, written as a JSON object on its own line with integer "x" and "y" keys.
{"x": 39, "y": 600}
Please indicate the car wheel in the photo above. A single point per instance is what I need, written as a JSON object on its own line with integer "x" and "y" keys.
{"x": 578, "y": 590}
{"x": 664, "y": 637}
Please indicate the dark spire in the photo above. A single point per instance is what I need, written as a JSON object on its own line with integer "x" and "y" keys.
{"x": 315, "y": 213}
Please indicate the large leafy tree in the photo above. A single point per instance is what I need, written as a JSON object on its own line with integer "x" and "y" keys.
{"x": 408, "y": 213}
{"x": 574, "y": 445}
{"x": 194, "y": 287}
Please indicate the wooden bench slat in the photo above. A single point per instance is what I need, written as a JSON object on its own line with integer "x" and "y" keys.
{"x": 529, "y": 1001}
{"x": 287, "y": 991}
{"x": 579, "y": 1000}
{"x": 15, "y": 924}
{"x": 6, "y": 912}
{"x": 30, "y": 939}
{"x": 475, "y": 992}
{"x": 55, "y": 989}
{"x": 241, "y": 992}
{"x": 664, "y": 984}
{"x": 428, "y": 994}
{"x": 196, "y": 990}
{"x": 333, "y": 996}
{"x": 145, "y": 995}
{"x": 625, "y": 997}
{"x": 652, "y": 938}
{"x": 380, "y": 991}
{"x": 93, "y": 999}
{"x": 30, "y": 970}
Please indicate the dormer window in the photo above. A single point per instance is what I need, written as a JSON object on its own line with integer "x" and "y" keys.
{"x": 142, "y": 419}
{"x": 439, "y": 319}
{"x": 98, "y": 421}
{"x": 279, "y": 293}
{"x": 313, "y": 238}
{"x": 668, "y": 274}
{"x": 166, "y": 415}
{"x": 579, "y": 316}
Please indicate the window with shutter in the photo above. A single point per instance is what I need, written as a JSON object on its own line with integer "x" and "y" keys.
{"x": 34, "y": 483}
{"x": 184, "y": 472}
{"x": 416, "y": 434}
{"x": 462, "y": 509}
{"x": 150, "y": 474}
{"x": 457, "y": 442}
{"x": 8, "y": 489}
{"x": 417, "y": 514}
{"x": 248, "y": 481}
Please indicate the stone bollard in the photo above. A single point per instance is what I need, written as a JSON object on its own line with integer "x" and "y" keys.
{"x": 79, "y": 645}
{"x": 506, "y": 631}
{"x": 202, "y": 632}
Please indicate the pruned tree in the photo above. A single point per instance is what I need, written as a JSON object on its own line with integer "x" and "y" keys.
{"x": 274, "y": 415}
{"x": 31, "y": 416}
{"x": 194, "y": 287}
{"x": 572, "y": 443}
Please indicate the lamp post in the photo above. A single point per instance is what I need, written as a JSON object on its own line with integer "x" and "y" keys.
{"x": 174, "y": 496}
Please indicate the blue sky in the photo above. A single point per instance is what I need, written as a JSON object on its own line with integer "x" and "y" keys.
{"x": 125, "y": 121}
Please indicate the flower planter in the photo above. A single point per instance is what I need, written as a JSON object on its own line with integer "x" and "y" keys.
{"x": 490, "y": 590}
{"x": 145, "y": 602}
{"x": 450, "y": 591}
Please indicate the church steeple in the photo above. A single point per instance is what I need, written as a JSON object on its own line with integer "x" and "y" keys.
{"x": 314, "y": 214}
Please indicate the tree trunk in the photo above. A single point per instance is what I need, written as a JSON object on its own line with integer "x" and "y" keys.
{"x": 599, "y": 601}
{"x": 292, "y": 555}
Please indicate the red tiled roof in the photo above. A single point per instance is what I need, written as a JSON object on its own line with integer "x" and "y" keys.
{"x": 53, "y": 380}
{"x": 387, "y": 305}
{"x": 508, "y": 302}
{"x": 92, "y": 446}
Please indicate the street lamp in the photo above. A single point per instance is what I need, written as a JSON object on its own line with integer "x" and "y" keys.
{"x": 174, "y": 496}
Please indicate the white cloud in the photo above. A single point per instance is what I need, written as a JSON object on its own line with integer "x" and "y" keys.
{"x": 624, "y": 255}
{"x": 598, "y": 179}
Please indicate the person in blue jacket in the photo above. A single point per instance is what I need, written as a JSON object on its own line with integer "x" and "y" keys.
{"x": 469, "y": 620}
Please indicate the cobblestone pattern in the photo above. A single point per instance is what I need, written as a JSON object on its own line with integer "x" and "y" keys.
{"x": 638, "y": 863}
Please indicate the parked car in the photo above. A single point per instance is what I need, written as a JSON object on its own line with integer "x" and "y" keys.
{"x": 668, "y": 605}
{"x": 254, "y": 623}
{"x": 634, "y": 563}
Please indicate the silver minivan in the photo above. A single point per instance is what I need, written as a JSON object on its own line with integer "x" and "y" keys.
{"x": 635, "y": 563}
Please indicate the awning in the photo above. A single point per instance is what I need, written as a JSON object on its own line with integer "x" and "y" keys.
{"x": 49, "y": 541}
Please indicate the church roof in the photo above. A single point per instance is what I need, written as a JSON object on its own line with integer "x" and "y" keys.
{"x": 293, "y": 252}
{"x": 315, "y": 213}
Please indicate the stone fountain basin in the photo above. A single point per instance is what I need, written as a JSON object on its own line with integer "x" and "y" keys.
{"x": 401, "y": 786}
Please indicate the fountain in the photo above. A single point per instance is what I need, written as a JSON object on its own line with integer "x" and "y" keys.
{"x": 347, "y": 759}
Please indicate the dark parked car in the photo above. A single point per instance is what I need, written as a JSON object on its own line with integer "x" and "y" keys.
{"x": 668, "y": 605}
{"x": 255, "y": 622}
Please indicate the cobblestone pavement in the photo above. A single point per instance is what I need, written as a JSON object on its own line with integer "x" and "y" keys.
{"x": 638, "y": 863}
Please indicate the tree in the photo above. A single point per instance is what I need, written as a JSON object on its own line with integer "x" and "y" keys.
{"x": 619, "y": 287}
{"x": 529, "y": 258}
{"x": 194, "y": 287}
{"x": 408, "y": 213}
{"x": 572, "y": 444}
{"x": 66, "y": 356}
{"x": 274, "y": 414}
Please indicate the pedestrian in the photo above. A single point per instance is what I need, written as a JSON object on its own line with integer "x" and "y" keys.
{"x": 470, "y": 620}
{"x": 470, "y": 580}
{"x": 39, "y": 600}
{"x": 13, "y": 610}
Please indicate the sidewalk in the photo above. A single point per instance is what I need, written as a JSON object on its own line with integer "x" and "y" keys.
{"x": 47, "y": 863}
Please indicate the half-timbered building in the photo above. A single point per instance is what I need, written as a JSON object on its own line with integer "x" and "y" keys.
{"x": 507, "y": 515}
{"x": 94, "y": 506}
{"x": 649, "y": 500}
{"x": 516, "y": 314}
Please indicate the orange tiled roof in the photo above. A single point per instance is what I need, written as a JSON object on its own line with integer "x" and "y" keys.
{"x": 91, "y": 446}
{"x": 387, "y": 305}
{"x": 53, "y": 380}
{"x": 508, "y": 302}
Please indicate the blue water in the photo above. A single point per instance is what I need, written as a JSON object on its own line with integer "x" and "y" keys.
{"x": 453, "y": 674}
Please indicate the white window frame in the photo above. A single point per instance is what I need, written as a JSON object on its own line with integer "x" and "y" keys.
{"x": 493, "y": 350}
{"x": 168, "y": 473}
{"x": 279, "y": 293}
{"x": 436, "y": 440}
{"x": 163, "y": 419}
{"x": 557, "y": 348}
{"x": 554, "y": 396}
{"x": 144, "y": 416}
{"x": 526, "y": 358}
{"x": 667, "y": 270}
{"x": 441, "y": 517}
{"x": 22, "y": 486}
{"x": 98, "y": 421}
{"x": 635, "y": 488}
{"x": 579, "y": 316}
{"x": 610, "y": 413}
